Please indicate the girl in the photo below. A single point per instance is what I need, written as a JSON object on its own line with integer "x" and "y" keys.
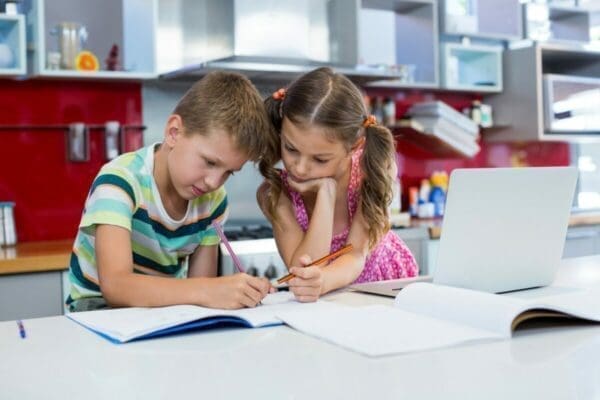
{"x": 339, "y": 165}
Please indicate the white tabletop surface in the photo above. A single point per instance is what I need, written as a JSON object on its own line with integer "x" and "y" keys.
{"x": 62, "y": 360}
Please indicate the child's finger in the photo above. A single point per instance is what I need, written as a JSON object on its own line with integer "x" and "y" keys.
{"x": 251, "y": 297}
{"x": 305, "y": 260}
{"x": 306, "y": 273}
{"x": 260, "y": 284}
{"x": 305, "y": 291}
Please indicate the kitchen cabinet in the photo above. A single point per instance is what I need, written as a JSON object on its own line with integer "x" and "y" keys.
{"x": 472, "y": 67}
{"x": 520, "y": 108}
{"x": 557, "y": 23}
{"x": 128, "y": 24}
{"x": 411, "y": 35}
{"x": 582, "y": 241}
{"x": 416, "y": 240}
{"x": 12, "y": 45}
{"x": 485, "y": 19}
{"x": 30, "y": 295}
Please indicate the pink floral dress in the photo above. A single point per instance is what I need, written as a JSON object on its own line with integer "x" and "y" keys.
{"x": 390, "y": 259}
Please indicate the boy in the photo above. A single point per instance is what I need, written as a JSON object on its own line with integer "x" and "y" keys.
{"x": 148, "y": 210}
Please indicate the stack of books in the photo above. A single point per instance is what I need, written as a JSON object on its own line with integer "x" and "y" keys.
{"x": 442, "y": 122}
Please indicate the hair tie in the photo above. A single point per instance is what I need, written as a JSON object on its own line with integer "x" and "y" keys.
{"x": 279, "y": 94}
{"x": 370, "y": 120}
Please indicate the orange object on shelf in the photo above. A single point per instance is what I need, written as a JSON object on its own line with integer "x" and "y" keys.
{"x": 86, "y": 61}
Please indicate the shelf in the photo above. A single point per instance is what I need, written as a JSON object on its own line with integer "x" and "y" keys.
{"x": 412, "y": 132}
{"x": 557, "y": 23}
{"x": 489, "y": 19}
{"x": 130, "y": 24}
{"x": 12, "y": 35}
{"x": 464, "y": 66}
{"x": 401, "y": 33}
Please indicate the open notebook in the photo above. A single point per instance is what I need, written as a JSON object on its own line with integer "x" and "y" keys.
{"x": 426, "y": 316}
{"x": 122, "y": 325}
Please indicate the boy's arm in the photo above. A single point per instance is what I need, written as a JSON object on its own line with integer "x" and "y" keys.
{"x": 203, "y": 262}
{"x": 120, "y": 286}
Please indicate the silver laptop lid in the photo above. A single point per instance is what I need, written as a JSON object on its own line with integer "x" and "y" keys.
{"x": 504, "y": 228}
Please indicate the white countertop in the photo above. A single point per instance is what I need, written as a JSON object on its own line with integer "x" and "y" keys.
{"x": 62, "y": 360}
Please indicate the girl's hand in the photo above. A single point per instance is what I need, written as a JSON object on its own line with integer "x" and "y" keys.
{"x": 237, "y": 291}
{"x": 307, "y": 283}
{"x": 314, "y": 185}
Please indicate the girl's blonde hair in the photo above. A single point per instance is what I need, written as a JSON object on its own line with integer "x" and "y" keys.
{"x": 329, "y": 100}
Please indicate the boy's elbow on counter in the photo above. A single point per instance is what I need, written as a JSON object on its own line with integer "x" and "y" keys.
{"x": 114, "y": 295}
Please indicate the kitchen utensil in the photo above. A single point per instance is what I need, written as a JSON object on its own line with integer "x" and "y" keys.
{"x": 71, "y": 36}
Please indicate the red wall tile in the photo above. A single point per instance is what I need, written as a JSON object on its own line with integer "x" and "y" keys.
{"x": 416, "y": 164}
{"x": 49, "y": 191}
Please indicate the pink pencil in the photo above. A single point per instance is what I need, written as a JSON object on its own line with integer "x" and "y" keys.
{"x": 236, "y": 261}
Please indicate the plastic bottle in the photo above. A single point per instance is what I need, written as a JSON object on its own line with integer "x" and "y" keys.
{"x": 396, "y": 204}
{"x": 476, "y": 112}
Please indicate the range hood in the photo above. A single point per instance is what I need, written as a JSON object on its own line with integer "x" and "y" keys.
{"x": 271, "y": 40}
{"x": 274, "y": 69}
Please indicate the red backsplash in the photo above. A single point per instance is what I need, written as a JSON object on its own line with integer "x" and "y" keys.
{"x": 416, "y": 164}
{"x": 49, "y": 191}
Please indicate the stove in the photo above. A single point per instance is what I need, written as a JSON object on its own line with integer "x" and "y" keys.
{"x": 255, "y": 247}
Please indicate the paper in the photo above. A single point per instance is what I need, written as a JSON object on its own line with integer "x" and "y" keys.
{"x": 427, "y": 316}
{"x": 380, "y": 330}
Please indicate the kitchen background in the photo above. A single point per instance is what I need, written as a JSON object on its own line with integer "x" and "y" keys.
{"x": 82, "y": 79}
{"x": 49, "y": 190}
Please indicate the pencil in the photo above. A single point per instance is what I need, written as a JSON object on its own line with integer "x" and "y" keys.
{"x": 321, "y": 260}
{"x": 234, "y": 257}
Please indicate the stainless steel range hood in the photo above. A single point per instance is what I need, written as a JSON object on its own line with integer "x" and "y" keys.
{"x": 273, "y": 69}
{"x": 263, "y": 39}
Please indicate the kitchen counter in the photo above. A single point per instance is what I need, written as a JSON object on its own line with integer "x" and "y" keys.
{"x": 54, "y": 255}
{"x": 35, "y": 257}
{"x": 543, "y": 361}
{"x": 435, "y": 225}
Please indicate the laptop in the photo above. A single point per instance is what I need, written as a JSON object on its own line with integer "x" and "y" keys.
{"x": 504, "y": 229}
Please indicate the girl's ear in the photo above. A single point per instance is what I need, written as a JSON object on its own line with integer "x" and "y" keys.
{"x": 359, "y": 142}
{"x": 173, "y": 129}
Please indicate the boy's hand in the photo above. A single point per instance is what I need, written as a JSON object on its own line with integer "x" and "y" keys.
{"x": 238, "y": 291}
{"x": 308, "y": 281}
{"x": 314, "y": 185}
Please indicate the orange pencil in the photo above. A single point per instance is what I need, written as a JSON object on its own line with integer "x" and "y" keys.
{"x": 321, "y": 260}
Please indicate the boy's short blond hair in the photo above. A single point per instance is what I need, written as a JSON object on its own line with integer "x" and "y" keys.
{"x": 227, "y": 101}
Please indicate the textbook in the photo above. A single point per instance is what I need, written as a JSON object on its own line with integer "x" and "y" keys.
{"x": 427, "y": 316}
{"x": 121, "y": 325}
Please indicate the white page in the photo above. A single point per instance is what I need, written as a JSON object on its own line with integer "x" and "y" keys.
{"x": 583, "y": 303}
{"x": 125, "y": 324}
{"x": 379, "y": 330}
{"x": 480, "y": 310}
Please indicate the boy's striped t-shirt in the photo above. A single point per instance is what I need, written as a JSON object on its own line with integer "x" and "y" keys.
{"x": 125, "y": 194}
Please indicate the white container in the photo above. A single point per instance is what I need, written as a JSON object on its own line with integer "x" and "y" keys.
{"x": 10, "y": 232}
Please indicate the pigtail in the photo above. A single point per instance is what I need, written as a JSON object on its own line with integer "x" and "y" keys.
{"x": 376, "y": 187}
{"x": 271, "y": 155}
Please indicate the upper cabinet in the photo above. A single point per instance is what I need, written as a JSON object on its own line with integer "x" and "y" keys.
{"x": 12, "y": 45}
{"x": 486, "y": 19}
{"x": 88, "y": 39}
{"x": 402, "y": 36}
{"x": 551, "y": 92}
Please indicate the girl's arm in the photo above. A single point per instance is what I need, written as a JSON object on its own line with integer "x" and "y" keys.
{"x": 120, "y": 286}
{"x": 292, "y": 242}
{"x": 311, "y": 282}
